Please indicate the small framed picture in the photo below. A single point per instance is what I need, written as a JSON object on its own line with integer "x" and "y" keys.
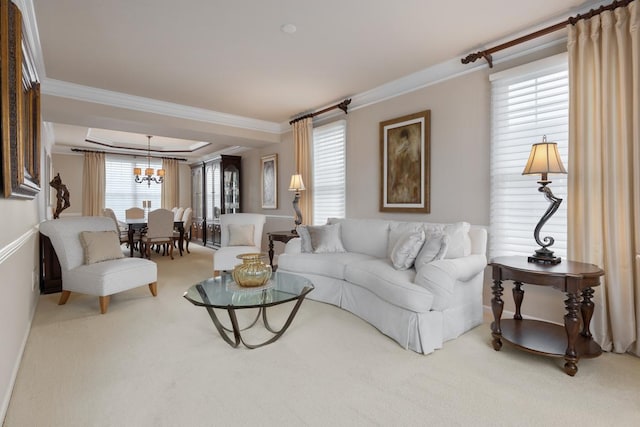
{"x": 269, "y": 179}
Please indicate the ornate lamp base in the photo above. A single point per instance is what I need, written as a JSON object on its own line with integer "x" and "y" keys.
{"x": 544, "y": 256}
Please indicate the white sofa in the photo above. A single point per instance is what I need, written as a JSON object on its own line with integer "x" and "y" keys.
{"x": 418, "y": 309}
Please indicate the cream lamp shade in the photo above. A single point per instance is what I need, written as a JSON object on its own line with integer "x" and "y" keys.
{"x": 544, "y": 159}
{"x": 296, "y": 183}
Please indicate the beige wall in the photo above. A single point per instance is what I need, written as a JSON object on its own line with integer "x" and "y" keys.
{"x": 277, "y": 219}
{"x": 459, "y": 151}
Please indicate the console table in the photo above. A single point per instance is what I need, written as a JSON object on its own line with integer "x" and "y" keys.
{"x": 278, "y": 236}
{"x": 573, "y": 278}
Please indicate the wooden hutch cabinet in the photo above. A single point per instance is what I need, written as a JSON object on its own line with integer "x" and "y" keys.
{"x": 215, "y": 187}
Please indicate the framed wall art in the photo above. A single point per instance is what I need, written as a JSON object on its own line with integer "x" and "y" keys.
{"x": 19, "y": 109}
{"x": 269, "y": 179}
{"x": 404, "y": 164}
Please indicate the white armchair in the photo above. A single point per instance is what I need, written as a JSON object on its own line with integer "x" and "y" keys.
{"x": 239, "y": 233}
{"x": 104, "y": 278}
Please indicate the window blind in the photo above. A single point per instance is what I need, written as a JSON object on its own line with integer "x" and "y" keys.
{"x": 122, "y": 192}
{"x": 528, "y": 102}
{"x": 329, "y": 175}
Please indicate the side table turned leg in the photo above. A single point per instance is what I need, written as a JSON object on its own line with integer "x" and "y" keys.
{"x": 271, "y": 251}
{"x": 571, "y": 325}
{"x": 518, "y": 296}
{"x": 496, "y": 307}
{"x": 586, "y": 309}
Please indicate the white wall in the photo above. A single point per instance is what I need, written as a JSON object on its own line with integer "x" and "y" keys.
{"x": 19, "y": 286}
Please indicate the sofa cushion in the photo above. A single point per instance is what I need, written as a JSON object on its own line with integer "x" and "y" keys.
{"x": 406, "y": 249}
{"x": 327, "y": 264}
{"x": 325, "y": 238}
{"x": 389, "y": 284}
{"x": 434, "y": 248}
{"x": 110, "y": 277}
{"x": 365, "y": 236}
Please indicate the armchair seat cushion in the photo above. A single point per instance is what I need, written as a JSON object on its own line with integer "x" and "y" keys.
{"x": 110, "y": 277}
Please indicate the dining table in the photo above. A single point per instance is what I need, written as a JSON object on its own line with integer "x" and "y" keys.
{"x": 141, "y": 223}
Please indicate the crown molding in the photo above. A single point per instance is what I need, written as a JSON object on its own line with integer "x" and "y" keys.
{"x": 122, "y": 100}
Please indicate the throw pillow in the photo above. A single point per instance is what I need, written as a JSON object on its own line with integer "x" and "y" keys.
{"x": 325, "y": 238}
{"x": 100, "y": 246}
{"x": 406, "y": 249}
{"x": 459, "y": 240}
{"x": 434, "y": 248}
{"x": 305, "y": 239}
{"x": 241, "y": 235}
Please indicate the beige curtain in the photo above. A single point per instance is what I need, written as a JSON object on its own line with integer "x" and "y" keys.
{"x": 170, "y": 193}
{"x": 604, "y": 168}
{"x": 302, "y": 135}
{"x": 93, "y": 184}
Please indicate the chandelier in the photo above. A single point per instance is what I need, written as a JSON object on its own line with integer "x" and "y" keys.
{"x": 148, "y": 172}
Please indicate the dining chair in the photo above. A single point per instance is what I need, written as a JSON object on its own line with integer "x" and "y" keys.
{"x": 122, "y": 227}
{"x": 159, "y": 231}
{"x": 177, "y": 215}
{"x": 187, "y": 220}
{"x": 134, "y": 213}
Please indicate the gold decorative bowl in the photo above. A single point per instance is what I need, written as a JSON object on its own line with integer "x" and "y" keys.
{"x": 252, "y": 272}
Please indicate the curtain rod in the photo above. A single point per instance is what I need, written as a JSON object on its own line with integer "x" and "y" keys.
{"x": 80, "y": 150}
{"x": 342, "y": 105}
{"x": 486, "y": 54}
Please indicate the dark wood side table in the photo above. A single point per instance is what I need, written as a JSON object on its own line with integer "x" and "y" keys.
{"x": 573, "y": 278}
{"x": 278, "y": 236}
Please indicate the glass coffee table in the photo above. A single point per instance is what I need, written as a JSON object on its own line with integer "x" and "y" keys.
{"x": 223, "y": 293}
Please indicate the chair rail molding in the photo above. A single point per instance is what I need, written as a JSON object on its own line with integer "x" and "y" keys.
{"x": 7, "y": 251}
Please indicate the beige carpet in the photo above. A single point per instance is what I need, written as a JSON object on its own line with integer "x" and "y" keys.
{"x": 160, "y": 362}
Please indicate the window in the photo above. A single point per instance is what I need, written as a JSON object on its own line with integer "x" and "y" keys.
{"x": 528, "y": 102}
{"x": 122, "y": 191}
{"x": 329, "y": 172}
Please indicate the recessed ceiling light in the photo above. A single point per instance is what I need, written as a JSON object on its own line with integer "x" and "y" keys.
{"x": 288, "y": 28}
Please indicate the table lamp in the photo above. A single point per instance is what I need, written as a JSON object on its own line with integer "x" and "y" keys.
{"x": 545, "y": 159}
{"x": 296, "y": 185}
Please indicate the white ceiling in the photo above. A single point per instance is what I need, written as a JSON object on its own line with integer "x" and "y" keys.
{"x": 223, "y": 73}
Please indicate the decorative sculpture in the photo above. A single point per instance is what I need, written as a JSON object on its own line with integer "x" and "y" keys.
{"x": 62, "y": 194}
